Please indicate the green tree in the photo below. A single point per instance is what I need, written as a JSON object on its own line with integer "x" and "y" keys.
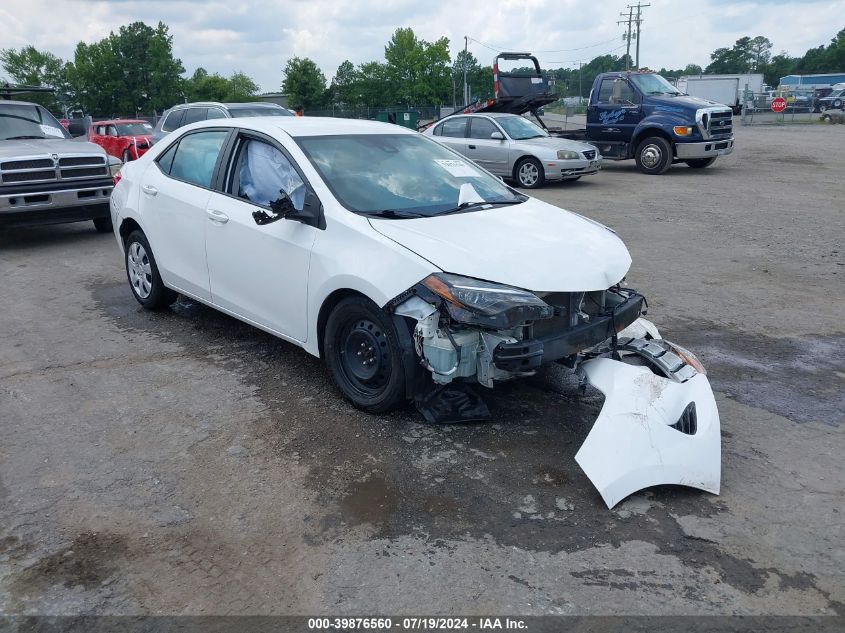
{"x": 419, "y": 70}
{"x": 692, "y": 69}
{"x": 372, "y": 85}
{"x": 479, "y": 78}
{"x": 32, "y": 67}
{"x": 304, "y": 83}
{"x": 128, "y": 71}
{"x": 343, "y": 88}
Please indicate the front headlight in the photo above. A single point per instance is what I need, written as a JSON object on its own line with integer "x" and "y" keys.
{"x": 484, "y": 303}
{"x": 114, "y": 167}
{"x": 565, "y": 154}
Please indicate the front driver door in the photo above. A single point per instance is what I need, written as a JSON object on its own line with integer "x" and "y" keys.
{"x": 616, "y": 112}
{"x": 490, "y": 153}
{"x": 259, "y": 272}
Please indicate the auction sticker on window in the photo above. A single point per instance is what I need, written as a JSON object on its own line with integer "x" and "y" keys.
{"x": 457, "y": 168}
{"x": 49, "y": 130}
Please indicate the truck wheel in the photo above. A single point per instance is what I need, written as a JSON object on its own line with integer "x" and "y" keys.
{"x": 700, "y": 163}
{"x": 144, "y": 279}
{"x": 103, "y": 225}
{"x": 529, "y": 173}
{"x": 822, "y": 108}
{"x": 363, "y": 354}
{"x": 654, "y": 155}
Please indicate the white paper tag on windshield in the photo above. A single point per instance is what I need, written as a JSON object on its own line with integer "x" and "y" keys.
{"x": 457, "y": 168}
{"x": 49, "y": 130}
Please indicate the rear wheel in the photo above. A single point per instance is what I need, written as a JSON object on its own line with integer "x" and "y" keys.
{"x": 654, "y": 155}
{"x": 143, "y": 275}
{"x": 700, "y": 163}
{"x": 529, "y": 173}
{"x": 363, "y": 353}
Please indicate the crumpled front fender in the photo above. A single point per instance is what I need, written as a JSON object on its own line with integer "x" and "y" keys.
{"x": 633, "y": 444}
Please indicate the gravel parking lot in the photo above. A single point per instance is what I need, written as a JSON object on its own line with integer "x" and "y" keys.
{"x": 181, "y": 462}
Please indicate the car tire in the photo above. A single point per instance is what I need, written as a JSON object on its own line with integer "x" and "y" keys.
{"x": 654, "y": 155}
{"x": 103, "y": 225}
{"x": 529, "y": 173}
{"x": 822, "y": 108}
{"x": 364, "y": 355}
{"x": 142, "y": 272}
{"x": 700, "y": 163}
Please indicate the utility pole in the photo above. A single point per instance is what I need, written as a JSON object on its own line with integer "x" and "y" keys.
{"x": 627, "y": 36}
{"x": 639, "y": 7}
{"x": 466, "y": 91}
{"x": 579, "y": 83}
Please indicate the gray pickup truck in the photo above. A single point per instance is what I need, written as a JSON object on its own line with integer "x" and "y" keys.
{"x": 47, "y": 177}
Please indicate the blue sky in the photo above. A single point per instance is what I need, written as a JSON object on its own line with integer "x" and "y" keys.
{"x": 259, "y": 36}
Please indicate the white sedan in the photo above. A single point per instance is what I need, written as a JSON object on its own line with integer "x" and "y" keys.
{"x": 413, "y": 273}
{"x": 513, "y": 147}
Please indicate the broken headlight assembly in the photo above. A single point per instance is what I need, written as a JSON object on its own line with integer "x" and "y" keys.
{"x": 486, "y": 304}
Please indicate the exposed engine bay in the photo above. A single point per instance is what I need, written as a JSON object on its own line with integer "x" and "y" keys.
{"x": 659, "y": 423}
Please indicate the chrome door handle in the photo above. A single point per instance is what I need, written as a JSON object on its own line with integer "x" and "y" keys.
{"x": 149, "y": 190}
{"x": 217, "y": 216}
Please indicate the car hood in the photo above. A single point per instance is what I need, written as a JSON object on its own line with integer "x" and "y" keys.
{"x": 29, "y": 147}
{"x": 684, "y": 102}
{"x": 553, "y": 143}
{"x": 533, "y": 245}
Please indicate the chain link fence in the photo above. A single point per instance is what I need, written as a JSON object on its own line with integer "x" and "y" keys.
{"x": 800, "y": 109}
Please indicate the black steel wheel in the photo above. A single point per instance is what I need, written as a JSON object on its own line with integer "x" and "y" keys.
{"x": 363, "y": 352}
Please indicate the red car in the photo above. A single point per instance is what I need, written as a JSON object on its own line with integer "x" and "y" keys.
{"x": 126, "y": 139}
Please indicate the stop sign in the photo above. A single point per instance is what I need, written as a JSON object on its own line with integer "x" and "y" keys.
{"x": 778, "y": 104}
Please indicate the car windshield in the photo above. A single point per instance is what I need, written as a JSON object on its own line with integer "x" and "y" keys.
{"x": 401, "y": 175}
{"x": 520, "y": 128}
{"x": 258, "y": 111}
{"x": 652, "y": 84}
{"x": 134, "y": 129}
{"x": 24, "y": 121}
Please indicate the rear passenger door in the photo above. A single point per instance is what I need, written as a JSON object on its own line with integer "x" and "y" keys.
{"x": 452, "y": 133}
{"x": 174, "y": 198}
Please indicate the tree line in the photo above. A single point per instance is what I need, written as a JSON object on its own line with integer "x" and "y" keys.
{"x": 134, "y": 71}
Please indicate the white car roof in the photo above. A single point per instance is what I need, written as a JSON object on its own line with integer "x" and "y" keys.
{"x": 303, "y": 126}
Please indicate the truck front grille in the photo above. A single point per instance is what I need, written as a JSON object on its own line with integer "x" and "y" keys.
{"x": 37, "y": 169}
{"x": 720, "y": 124}
{"x": 84, "y": 172}
{"x": 81, "y": 160}
{"x": 35, "y": 163}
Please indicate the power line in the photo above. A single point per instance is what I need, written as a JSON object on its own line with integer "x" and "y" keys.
{"x": 639, "y": 8}
{"x": 558, "y": 50}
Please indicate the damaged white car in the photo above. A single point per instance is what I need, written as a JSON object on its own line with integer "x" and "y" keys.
{"x": 416, "y": 275}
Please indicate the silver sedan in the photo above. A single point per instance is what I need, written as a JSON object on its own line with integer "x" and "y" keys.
{"x": 511, "y": 146}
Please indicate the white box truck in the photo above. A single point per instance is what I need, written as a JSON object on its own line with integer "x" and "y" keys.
{"x": 726, "y": 89}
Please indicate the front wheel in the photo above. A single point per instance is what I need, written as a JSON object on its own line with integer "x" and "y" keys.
{"x": 654, "y": 155}
{"x": 700, "y": 163}
{"x": 143, "y": 275}
{"x": 529, "y": 173}
{"x": 363, "y": 353}
{"x": 822, "y": 108}
{"x": 103, "y": 225}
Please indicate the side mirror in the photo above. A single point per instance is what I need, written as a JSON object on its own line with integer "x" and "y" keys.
{"x": 497, "y": 136}
{"x": 76, "y": 128}
{"x": 311, "y": 213}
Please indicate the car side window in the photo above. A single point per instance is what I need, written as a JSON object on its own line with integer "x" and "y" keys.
{"x": 481, "y": 128}
{"x": 196, "y": 155}
{"x": 215, "y": 113}
{"x": 263, "y": 173}
{"x": 616, "y": 91}
{"x": 112, "y": 131}
{"x": 192, "y": 115}
{"x": 454, "y": 127}
{"x": 173, "y": 121}
{"x": 165, "y": 161}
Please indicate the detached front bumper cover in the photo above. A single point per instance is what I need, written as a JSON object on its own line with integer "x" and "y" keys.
{"x": 652, "y": 430}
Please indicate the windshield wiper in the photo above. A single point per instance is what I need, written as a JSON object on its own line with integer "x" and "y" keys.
{"x": 657, "y": 92}
{"x": 23, "y": 137}
{"x": 393, "y": 214}
{"x": 467, "y": 206}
